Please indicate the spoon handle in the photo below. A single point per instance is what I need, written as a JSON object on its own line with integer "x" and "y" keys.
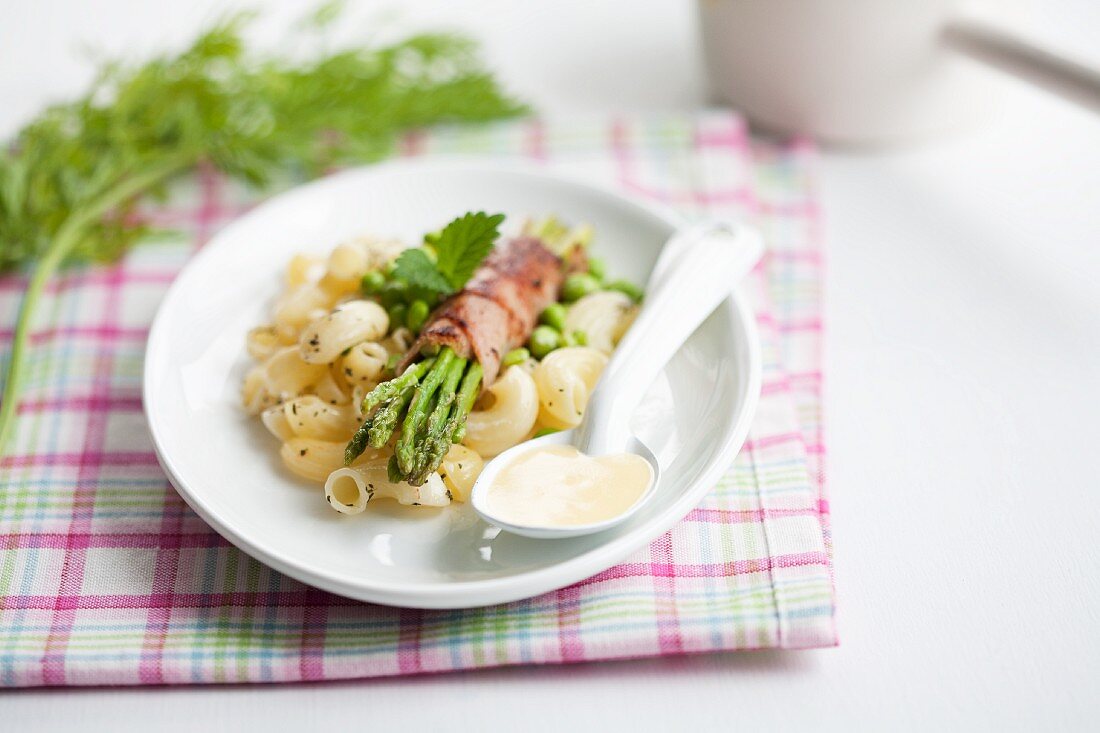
{"x": 696, "y": 273}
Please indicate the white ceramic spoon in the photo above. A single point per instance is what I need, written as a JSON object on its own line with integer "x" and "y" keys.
{"x": 695, "y": 273}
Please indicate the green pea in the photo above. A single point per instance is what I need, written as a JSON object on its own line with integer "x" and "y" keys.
{"x": 432, "y": 254}
{"x": 627, "y": 288}
{"x": 417, "y": 315}
{"x": 554, "y": 316}
{"x": 579, "y": 285}
{"x": 397, "y": 313}
{"x": 392, "y": 362}
{"x": 516, "y": 356}
{"x": 372, "y": 282}
{"x": 546, "y": 431}
{"x": 544, "y": 339}
{"x": 597, "y": 268}
{"x": 393, "y": 293}
{"x": 575, "y": 338}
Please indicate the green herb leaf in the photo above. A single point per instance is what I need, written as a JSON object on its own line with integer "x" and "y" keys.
{"x": 415, "y": 268}
{"x": 463, "y": 244}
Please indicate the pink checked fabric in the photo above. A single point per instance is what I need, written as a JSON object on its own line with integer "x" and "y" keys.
{"x": 106, "y": 577}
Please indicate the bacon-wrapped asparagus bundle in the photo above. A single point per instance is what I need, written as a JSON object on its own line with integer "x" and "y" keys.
{"x": 459, "y": 350}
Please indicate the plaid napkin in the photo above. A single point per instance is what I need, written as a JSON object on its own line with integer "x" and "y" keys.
{"x": 106, "y": 577}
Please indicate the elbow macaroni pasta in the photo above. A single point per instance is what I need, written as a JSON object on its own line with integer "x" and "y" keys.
{"x": 303, "y": 269}
{"x": 311, "y": 417}
{"x": 509, "y": 419}
{"x": 379, "y": 252}
{"x": 565, "y": 379}
{"x": 312, "y": 459}
{"x": 347, "y": 262}
{"x": 460, "y": 469}
{"x": 262, "y": 342}
{"x": 348, "y": 490}
{"x": 274, "y": 419}
{"x": 299, "y": 306}
{"x": 287, "y": 376}
{"x": 603, "y": 317}
{"x": 365, "y": 363}
{"x": 351, "y": 323}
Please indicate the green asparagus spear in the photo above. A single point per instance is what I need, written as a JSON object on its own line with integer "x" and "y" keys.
{"x": 385, "y": 420}
{"x": 464, "y": 402}
{"x": 394, "y": 471}
{"x": 387, "y": 393}
{"x": 358, "y": 443}
{"x": 418, "y": 411}
{"x": 427, "y": 445}
{"x": 437, "y": 422}
{"x": 394, "y": 387}
{"x": 435, "y": 449}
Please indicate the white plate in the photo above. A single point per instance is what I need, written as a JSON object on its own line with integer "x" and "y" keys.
{"x": 226, "y": 466}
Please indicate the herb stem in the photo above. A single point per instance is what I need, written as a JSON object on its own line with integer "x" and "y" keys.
{"x": 67, "y": 237}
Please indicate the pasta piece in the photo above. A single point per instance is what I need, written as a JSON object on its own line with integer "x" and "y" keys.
{"x": 460, "y": 469}
{"x": 565, "y": 379}
{"x": 603, "y": 317}
{"x": 315, "y": 459}
{"x": 348, "y": 489}
{"x": 274, "y": 419}
{"x": 338, "y": 289}
{"x": 347, "y": 262}
{"x": 379, "y": 252}
{"x": 287, "y": 376}
{"x": 262, "y": 342}
{"x": 301, "y": 305}
{"x": 303, "y": 269}
{"x": 399, "y": 341}
{"x": 324, "y": 339}
{"x": 332, "y": 390}
{"x": 254, "y": 392}
{"x": 358, "y": 394}
{"x": 311, "y": 417}
{"x": 312, "y": 459}
{"x": 508, "y": 419}
{"x": 365, "y": 363}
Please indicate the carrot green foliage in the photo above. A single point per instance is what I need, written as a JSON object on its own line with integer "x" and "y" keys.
{"x": 70, "y": 180}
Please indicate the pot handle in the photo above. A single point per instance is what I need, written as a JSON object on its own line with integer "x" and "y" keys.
{"x": 1014, "y": 55}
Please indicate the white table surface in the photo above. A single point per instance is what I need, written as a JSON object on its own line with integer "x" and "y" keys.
{"x": 963, "y": 368}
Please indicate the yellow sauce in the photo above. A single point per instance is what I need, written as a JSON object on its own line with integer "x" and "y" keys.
{"x": 558, "y": 486}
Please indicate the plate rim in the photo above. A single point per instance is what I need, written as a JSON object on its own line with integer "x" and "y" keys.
{"x": 467, "y": 593}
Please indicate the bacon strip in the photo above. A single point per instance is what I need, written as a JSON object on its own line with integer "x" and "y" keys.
{"x": 498, "y": 308}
